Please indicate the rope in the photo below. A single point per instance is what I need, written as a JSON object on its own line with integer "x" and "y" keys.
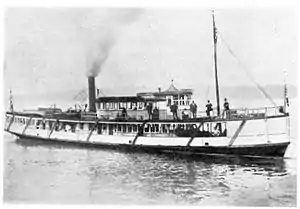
{"x": 260, "y": 88}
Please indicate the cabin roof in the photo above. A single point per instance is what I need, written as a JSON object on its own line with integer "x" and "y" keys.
{"x": 177, "y": 92}
{"x": 129, "y": 99}
{"x": 172, "y": 90}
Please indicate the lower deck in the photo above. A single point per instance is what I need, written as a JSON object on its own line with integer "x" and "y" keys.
{"x": 240, "y": 133}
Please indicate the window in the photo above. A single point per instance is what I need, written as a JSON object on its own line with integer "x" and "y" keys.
{"x": 122, "y": 105}
{"x": 176, "y": 99}
{"x": 124, "y": 128}
{"x": 156, "y": 128}
{"x": 141, "y": 105}
{"x": 111, "y": 105}
{"x": 164, "y": 128}
{"x": 147, "y": 128}
{"x": 152, "y": 128}
{"x": 135, "y": 128}
{"x": 130, "y": 128}
{"x": 134, "y": 106}
{"x": 129, "y": 105}
{"x": 119, "y": 128}
{"x": 169, "y": 102}
{"x": 182, "y": 99}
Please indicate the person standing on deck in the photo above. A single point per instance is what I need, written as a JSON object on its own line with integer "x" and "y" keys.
{"x": 226, "y": 111}
{"x": 174, "y": 109}
{"x": 149, "y": 109}
{"x": 193, "y": 109}
{"x": 208, "y": 108}
{"x": 155, "y": 113}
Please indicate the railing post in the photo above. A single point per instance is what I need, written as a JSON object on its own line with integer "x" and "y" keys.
{"x": 26, "y": 126}
{"x": 10, "y": 122}
{"x": 237, "y": 132}
{"x": 92, "y": 130}
{"x": 52, "y": 128}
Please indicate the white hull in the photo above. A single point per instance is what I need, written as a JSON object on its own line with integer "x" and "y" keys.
{"x": 83, "y": 136}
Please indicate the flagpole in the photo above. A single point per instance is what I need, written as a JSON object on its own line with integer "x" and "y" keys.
{"x": 286, "y": 98}
{"x": 11, "y": 102}
{"x": 215, "y": 38}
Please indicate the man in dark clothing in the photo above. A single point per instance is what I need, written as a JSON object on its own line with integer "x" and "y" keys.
{"x": 155, "y": 113}
{"x": 226, "y": 109}
{"x": 174, "y": 109}
{"x": 208, "y": 108}
{"x": 149, "y": 109}
{"x": 193, "y": 109}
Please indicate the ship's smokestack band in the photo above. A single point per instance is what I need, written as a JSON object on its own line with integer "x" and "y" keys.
{"x": 92, "y": 94}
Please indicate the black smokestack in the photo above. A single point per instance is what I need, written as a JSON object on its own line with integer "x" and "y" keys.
{"x": 92, "y": 96}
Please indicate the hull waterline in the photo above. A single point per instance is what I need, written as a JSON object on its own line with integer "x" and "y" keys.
{"x": 261, "y": 150}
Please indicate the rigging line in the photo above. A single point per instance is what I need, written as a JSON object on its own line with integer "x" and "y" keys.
{"x": 247, "y": 71}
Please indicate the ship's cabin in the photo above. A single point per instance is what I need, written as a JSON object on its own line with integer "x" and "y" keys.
{"x": 138, "y": 107}
{"x": 129, "y": 107}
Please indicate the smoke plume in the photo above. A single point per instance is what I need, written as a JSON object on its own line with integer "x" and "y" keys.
{"x": 102, "y": 29}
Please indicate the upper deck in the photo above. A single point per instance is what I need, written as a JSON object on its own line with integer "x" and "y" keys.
{"x": 235, "y": 115}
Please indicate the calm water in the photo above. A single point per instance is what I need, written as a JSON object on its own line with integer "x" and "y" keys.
{"x": 46, "y": 173}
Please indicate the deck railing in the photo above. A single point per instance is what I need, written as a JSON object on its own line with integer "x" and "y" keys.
{"x": 246, "y": 112}
{"x": 233, "y": 113}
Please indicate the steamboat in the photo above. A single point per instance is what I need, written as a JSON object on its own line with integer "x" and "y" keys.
{"x": 145, "y": 122}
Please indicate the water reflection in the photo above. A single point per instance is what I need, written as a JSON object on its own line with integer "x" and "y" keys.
{"x": 137, "y": 178}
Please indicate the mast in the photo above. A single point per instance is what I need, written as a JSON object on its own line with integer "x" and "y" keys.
{"x": 215, "y": 37}
{"x": 11, "y": 105}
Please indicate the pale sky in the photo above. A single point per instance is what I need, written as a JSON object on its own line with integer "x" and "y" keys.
{"x": 46, "y": 49}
